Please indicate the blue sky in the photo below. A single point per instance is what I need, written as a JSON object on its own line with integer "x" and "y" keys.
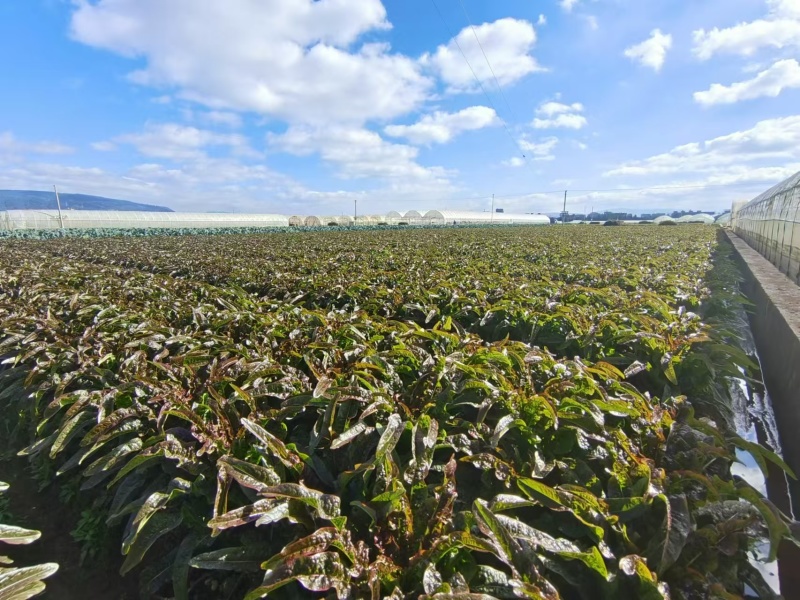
{"x": 302, "y": 107}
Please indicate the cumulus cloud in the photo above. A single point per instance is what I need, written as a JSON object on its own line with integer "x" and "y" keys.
{"x": 507, "y": 42}
{"x": 514, "y": 161}
{"x": 358, "y": 153}
{"x": 568, "y": 5}
{"x": 784, "y": 74}
{"x": 221, "y": 117}
{"x": 779, "y": 28}
{"x": 770, "y": 144}
{"x": 441, "y": 127}
{"x": 298, "y": 60}
{"x": 540, "y": 150}
{"x": 177, "y": 142}
{"x": 554, "y": 115}
{"x": 652, "y": 52}
{"x": 10, "y": 146}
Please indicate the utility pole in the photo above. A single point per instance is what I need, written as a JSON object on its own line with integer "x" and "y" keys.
{"x": 492, "y": 219}
{"x": 58, "y": 204}
{"x": 564, "y": 212}
{"x": 355, "y": 209}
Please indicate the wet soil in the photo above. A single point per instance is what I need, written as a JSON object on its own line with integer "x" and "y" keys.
{"x": 99, "y": 580}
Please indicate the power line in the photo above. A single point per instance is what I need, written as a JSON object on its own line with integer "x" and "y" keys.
{"x": 477, "y": 79}
{"x": 488, "y": 63}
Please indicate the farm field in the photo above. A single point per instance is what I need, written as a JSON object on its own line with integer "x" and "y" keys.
{"x": 454, "y": 414}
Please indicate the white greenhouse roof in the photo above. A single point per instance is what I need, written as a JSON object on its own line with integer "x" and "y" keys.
{"x": 784, "y": 186}
{"x": 102, "y": 219}
{"x": 701, "y": 218}
{"x": 449, "y": 216}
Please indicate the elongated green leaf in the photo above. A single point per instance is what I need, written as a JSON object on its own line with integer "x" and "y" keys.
{"x": 24, "y": 582}
{"x": 274, "y": 445}
{"x": 665, "y": 550}
{"x": 17, "y": 535}
{"x": 249, "y": 475}
{"x": 318, "y": 573}
{"x": 326, "y": 505}
{"x": 155, "y": 527}
{"x": 243, "y": 515}
{"x": 244, "y": 559}
{"x": 351, "y": 434}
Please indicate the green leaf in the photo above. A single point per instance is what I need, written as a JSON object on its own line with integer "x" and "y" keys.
{"x": 245, "y": 514}
{"x": 664, "y": 550}
{"x": 156, "y": 526}
{"x": 17, "y": 536}
{"x": 318, "y": 573}
{"x": 274, "y": 445}
{"x": 772, "y": 517}
{"x": 249, "y": 475}
{"x": 327, "y": 506}
{"x": 592, "y": 559}
{"x": 24, "y": 582}
{"x": 645, "y": 585}
{"x": 351, "y": 434}
{"x": 389, "y": 438}
{"x": 243, "y": 559}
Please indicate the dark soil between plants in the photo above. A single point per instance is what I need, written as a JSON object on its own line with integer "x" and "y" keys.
{"x": 98, "y": 580}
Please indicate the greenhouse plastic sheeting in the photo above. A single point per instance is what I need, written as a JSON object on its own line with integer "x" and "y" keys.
{"x": 445, "y": 217}
{"x": 103, "y": 219}
{"x": 771, "y": 225}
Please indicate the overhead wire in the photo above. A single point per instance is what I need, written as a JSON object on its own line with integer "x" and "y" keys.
{"x": 477, "y": 79}
{"x": 488, "y": 62}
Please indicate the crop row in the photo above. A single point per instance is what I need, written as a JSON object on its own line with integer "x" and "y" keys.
{"x": 450, "y": 414}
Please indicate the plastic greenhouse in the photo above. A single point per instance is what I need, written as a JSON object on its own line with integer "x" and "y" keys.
{"x": 446, "y": 217}
{"x": 109, "y": 219}
{"x": 297, "y": 221}
{"x": 412, "y": 216}
{"x": 370, "y": 220}
{"x": 663, "y": 219}
{"x": 394, "y": 217}
{"x": 771, "y": 224}
{"x": 701, "y": 218}
{"x": 724, "y": 219}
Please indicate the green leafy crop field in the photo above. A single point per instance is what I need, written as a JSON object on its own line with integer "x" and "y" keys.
{"x": 454, "y": 414}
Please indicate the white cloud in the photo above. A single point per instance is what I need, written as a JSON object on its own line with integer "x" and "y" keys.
{"x": 507, "y": 42}
{"x": 178, "y": 142}
{"x": 441, "y": 127}
{"x": 591, "y": 22}
{"x": 359, "y": 153}
{"x": 294, "y": 59}
{"x": 514, "y": 161}
{"x": 784, "y": 74}
{"x": 568, "y": 5}
{"x": 106, "y": 146}
{"x": 541, "y": 150}
{"x": 221, "y": 117}
{"x": 542, "y": 21}
{"x": 653, "y": 51}
{"x": 554, "y": 115}
{"x": 11, "y": 146}
{"x": 780, "y": 28}
{"x": 775, "y": 143}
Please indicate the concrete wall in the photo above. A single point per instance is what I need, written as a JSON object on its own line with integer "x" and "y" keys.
{"x": 775, "y": 322}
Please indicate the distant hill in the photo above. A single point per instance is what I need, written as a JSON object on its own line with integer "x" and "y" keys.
{"x": 25, "y": 199}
